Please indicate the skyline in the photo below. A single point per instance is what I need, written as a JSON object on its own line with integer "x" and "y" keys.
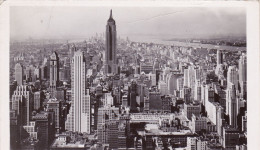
{"x": 80, "y": 22}
{"x": 121, "y": 94}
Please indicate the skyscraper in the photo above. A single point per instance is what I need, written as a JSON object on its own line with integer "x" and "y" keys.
{"x": 55, "y": 106}
{"x": 232, "y": 76}
{"x": 219, "y": 57}
{"x": 22, "y": 101}
{"x": 78, "y": 118}
{"x": 54, "y": 71}
{"x": 231, "y": 105}
{"x": 19, "y": 74}
{"x": 110, "y": 61}
{"x": 242, "y": 73}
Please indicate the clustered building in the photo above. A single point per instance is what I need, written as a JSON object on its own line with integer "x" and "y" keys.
{"x": 111, "y": 93}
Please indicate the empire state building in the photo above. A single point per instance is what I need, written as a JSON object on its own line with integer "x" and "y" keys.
{"x": 110, "y": 60}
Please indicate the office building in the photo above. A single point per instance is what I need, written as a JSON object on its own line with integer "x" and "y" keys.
{"x": 186, "y": 94}
{"x": 122, "y": 138}
{"x": 166, "y": 104}
{"x": 19, "y": 73}
{"x": 197, "y": 91}
{"x": 22, "y": 101}
{"x": 37, "y": 100}
{"x": 180, "y": 82}
{"x": 198, "y": 123}
{"x": 78, "y": 118}
{"x": 146, "y": 68}
{"x": 55, "y": 105}
{"x": 105, "y": 114}
{"x": 230, "y": 138}
{"x": 190, "y": 109}
{"x": 155, "y": 102}
{"x": 191, "y": 143}
{"x": 232, "y": 76}
{"x": 112, "y": 133}
{"x": 152, "y": 77}
{"x": 242, "y": 70}
{"x": 162, "y": 86}
{"x": 172, "y": 82}
{"x": 231, "y": 105}
{"x": 219, "y": 57}
{"x": 45, "y": 128}
{"x": 54, "y": 72}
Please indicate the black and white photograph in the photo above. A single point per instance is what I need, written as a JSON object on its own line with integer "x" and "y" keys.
{"x": 118, "y": 77}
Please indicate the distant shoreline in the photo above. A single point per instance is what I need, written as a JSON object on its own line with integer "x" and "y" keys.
{"x": 189, "y": 44}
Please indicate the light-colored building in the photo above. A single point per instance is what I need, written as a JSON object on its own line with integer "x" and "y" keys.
{"x": 219, "y": 57}
{"x": 78, "y": 118}
{"x": 19, "y": 73}
{"x": 232, "y": 76}
{"x": 22, "y": 100}
{"x": 191, "y": 143}
{"x": 231, "y": 105}
{"x": 31, "y": 129}
{"x": 108, "y": 100}
{"x": 152, "y": 77}
{"x": 163, "y": 88}
{"x": 190, "y": 109}
{"x": 197, "y": 91}
{"x": 105, "y": 114}
{"x": 198, "y": 123}
{"x": 242, "y": 70}
{"x": 37, "y": 100}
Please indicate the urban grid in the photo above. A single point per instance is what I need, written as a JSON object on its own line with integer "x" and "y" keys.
{"x": 108, "y": 92}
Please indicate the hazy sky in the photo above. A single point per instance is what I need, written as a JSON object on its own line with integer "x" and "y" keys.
{"x": 80, "y": 22}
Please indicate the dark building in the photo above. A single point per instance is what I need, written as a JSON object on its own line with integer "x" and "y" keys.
{"x": 133, "y": 91}
{"x": 14, "y": 130}
{"x": 155, "y": 102}
{"x": 230, "y": 138}
{"x": 45, "y": 128}
{"x": 110, "y": 61}
{"x": 112, "y": 134}
{"x": 55, "y": 106}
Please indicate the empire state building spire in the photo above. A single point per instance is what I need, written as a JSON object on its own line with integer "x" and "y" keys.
{"x": 111, "y": 21}
{"x": 111, "y": 14}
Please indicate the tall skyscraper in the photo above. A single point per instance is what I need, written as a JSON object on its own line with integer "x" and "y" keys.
{"x": 55, "y": 106}
{"x": 110, "y": 61}
{"x": 172, "y": 83}
{"x": 231, "y": 105}
{"x": 19, "y": 74}
{"x": 22, "y": 101}
{"x": 186, "y": 77}
{"x": 242, "y": 73}
{"x": 54, "y": 71}
{"x": 219, "y": 57}
{"x": 78, "y": 118}
{"x": 232, "y": 76}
